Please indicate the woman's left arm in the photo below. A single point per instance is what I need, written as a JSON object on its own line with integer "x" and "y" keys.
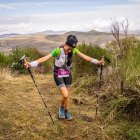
{"x": 85, "y": 57}
{"x": 90, "y": 59}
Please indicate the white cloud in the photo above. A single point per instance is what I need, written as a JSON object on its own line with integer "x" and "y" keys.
{"x": 5, "y": 6}
{"x": 15, "y": 5}
{"x": 134, "y": 1}
{"x": 96, "y": 19}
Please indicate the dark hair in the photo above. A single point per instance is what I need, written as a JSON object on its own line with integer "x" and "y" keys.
{"x": 72, "y": 41}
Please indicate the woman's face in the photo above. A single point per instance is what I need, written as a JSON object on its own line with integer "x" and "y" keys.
{"x": 68, "y": 49}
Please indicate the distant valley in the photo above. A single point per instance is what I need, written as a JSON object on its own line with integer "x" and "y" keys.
{"x": 46, "y": 41}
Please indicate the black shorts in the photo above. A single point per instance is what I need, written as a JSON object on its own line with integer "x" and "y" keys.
{"x": 63, "y": 81}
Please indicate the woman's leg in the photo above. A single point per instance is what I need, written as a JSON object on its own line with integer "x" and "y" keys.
{"x": 65, "y": 97}
{"x": 63, "y": 84}
{"x": 65, "y": 101}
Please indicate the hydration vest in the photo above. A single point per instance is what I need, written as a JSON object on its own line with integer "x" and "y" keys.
{"x": 63, "y": 60}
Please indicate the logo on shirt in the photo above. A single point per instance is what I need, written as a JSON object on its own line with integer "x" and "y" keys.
{"x": 74, "y": 45}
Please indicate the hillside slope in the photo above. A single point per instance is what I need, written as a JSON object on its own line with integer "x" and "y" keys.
{"x": 23, "y": 115}
{"x": 48, "y": 42}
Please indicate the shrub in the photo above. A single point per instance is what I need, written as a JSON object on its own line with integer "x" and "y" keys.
{"x": 3, "y": 60}
{"x": 31, "y": 54}
{"x": 126, "y": 104}
{"x": 81, "y": 67}
{"x": 130, "y": 66}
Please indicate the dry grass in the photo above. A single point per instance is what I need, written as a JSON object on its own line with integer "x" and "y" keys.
{"x": 23, "y": 115}
{"x": 5, "y": 73}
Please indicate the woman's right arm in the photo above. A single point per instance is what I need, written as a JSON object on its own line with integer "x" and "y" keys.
{"x": 35, "y": 63}
{"x": 45, "y": 58}
{"x": 38, "y": 61}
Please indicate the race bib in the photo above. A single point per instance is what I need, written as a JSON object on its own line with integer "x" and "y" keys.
{"x": 63, "y": 73}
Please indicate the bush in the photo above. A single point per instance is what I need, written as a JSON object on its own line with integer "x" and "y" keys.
{"x": 31, "y": 54}
{"x": 126, "y": 104}
{"x": 130, "y": 66}
{"x": 3, "y": 60}
{"x": 81, "y": 67}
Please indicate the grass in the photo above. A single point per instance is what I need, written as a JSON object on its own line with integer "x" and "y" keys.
{"x": 23, "y": 115}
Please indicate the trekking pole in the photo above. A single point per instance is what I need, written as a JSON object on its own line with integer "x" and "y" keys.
{"x": 23, "y": 60}
{"x": 100, "y": 84}
{"x": 98, "y": 93}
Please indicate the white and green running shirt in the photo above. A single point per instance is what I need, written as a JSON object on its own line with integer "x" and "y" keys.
{"x": 56, "y": 52}
{"x": 61, "y": 58}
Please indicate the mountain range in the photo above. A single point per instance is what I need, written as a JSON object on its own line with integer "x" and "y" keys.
{"x": 47, "y": 32}
{"x": 48, "y": 40}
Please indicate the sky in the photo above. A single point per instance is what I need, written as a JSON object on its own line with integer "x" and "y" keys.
{"x": 29, "y": 16}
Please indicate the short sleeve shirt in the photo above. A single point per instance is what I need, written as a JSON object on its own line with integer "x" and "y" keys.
{"x": 56, "y": 52}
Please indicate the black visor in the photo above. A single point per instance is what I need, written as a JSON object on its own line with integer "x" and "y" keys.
{"x": 71, "y": 41}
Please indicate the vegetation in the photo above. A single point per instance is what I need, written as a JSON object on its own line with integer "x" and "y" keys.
{"x": 119, "y": 94}
{"x": 80, "y": 67}
{"x": 31, "y": 54}
{"x": 3, "y": 60}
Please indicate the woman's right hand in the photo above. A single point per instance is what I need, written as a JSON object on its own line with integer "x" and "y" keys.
{"x": 101, "y": 62}
{"x": 27, "y": 65}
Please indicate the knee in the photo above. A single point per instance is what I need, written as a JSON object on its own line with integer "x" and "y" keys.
{"x": 66, "y": 96}
{"x": 64, "y": 93}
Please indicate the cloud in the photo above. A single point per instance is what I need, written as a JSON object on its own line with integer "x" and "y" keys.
{"x": 16, "y": 5}
{"x": 134, "y": 1}
{"x": 96, "y": 19}
{"x": 38, "y": 23}
{"x": 5, "y": 6}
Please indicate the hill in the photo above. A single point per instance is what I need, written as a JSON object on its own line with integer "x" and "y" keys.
{"x": 48, "y": 42}
{"x": 23, "y": 115}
